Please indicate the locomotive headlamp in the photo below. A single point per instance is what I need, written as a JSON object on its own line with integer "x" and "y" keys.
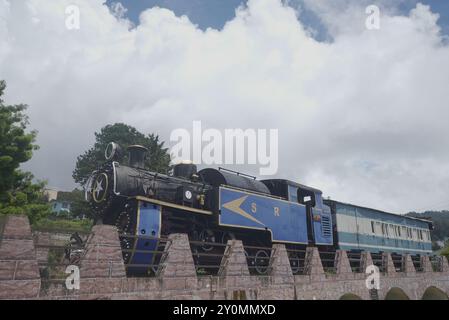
{"x": 113, "y": 151}
{"x": 188, "y": 194}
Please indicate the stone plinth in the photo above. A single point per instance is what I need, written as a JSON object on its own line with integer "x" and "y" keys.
{"x": 280, "y": 269}
{"x": 407, "y": 265}
{"x": 19, "y": 271}
{"x": 234, "y": 275}
{"x": 234, "y": 261}
{"x": 426, "y": 264}
{"x": 342, "y": 265}
{"x": 281, "y": 285}
{"x": 366, "y": 260}
{"x": 177, "y": 270}
{"x": 103, "y": 254}
{"x": 444, "y": 264}
{"x": 313, "y": 266}
{"x": 390, "y": 269}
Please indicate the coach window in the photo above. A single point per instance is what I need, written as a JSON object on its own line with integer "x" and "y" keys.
{"x": 372, "y": 227}
{"x": 293, "y": 193}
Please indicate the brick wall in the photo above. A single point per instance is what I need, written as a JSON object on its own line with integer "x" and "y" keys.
{"x": 103, "y": 273}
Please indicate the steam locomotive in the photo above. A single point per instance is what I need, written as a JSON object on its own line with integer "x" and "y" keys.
{"x": 215, "y": 205}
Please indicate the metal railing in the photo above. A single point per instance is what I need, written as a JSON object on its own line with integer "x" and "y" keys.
{"x": 398, "y": 262}
{"x": 207, "y": 256}
{"x": 297, "y": 259}
{"x": 158, "y": 254}
{"x": 437, "y": 263}
{"x": 258, "y": 259}
{"x": 53, "y": 261}
{"x": 328, "y": 261}
{"x": 355, "y": 261}
{"x": 417, "y": 263}
{"x": 379, "y": 260}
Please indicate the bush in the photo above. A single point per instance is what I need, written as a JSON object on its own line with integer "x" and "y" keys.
{"x": 64, "y": 225}
{"x": 445, "y": 252}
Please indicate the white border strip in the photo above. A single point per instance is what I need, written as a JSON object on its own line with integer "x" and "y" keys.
{"x": 379, "y": 247}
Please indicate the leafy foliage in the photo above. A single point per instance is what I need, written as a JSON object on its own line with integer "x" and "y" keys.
{"x": 79, "y": 207}
{"x": 64, "y": 225}
{"x": 125, "y": 135}
{"x": 18, "y": 193}
{"x": 445, "y": 251}
{"x": 440, "y": 221}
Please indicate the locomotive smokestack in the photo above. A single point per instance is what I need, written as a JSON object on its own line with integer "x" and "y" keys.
{"x": 137, "y": 156}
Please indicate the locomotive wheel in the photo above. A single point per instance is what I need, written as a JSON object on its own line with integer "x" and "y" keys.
{"x": 250, "y": 259}
{"x": 227, "y": 236}
{"x": 207, "y": 235}
{"x": 262, "y": 260}
{"x": 125, "y": 227}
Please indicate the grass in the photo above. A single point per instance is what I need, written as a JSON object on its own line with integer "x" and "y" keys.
{"x": 63, "y": 225}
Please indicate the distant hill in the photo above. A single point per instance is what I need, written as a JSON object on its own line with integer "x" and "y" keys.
{"x": 440, "y": 221}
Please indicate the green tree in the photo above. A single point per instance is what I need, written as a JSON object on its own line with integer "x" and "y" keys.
{"x": 79, "y": 208}
{"x": 18, "y": 193}
{"x": 125, "y": 135}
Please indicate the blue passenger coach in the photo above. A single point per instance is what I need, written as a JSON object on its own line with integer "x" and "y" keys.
{"x": 363, "y": 229}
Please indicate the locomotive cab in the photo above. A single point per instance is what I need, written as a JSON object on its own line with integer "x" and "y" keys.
{"x": 319, "y": 220}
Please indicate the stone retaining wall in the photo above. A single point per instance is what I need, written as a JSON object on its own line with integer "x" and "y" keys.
{"x": 103, "y": 273}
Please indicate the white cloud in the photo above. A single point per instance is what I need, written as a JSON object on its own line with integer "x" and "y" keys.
{"x": 363, "y": 118}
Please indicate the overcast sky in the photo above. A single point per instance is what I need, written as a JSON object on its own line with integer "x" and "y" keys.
{"x": 362, "y": 114}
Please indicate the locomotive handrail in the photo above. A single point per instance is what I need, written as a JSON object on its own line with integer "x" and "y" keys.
{"x": 236, "y": 172}
{"x": 172, "y": 205}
